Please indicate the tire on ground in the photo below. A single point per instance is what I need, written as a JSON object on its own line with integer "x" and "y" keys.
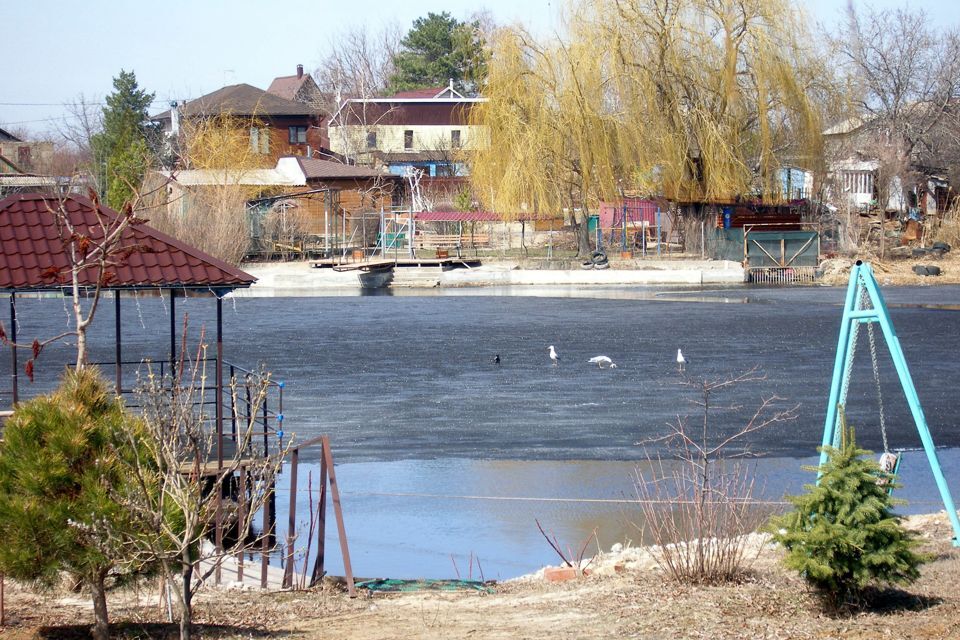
{"x": 598, "y": 257}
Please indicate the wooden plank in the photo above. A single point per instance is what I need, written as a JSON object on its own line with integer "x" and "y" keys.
{"x": 338, "y": 512}
{"x": 209, "y": 468}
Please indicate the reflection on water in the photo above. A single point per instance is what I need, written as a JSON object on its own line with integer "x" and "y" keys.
{"x": 406, "y": 519}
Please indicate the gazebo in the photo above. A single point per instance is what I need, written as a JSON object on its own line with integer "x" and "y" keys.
{"x": 38, "y": 234}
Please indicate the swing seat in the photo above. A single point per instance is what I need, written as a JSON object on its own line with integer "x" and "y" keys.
{"x": 888, "y": 464}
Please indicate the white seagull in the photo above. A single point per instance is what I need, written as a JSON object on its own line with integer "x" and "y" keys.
{"x": 554, "y": 356}
{"x": 680, "y": 360}
{"x": 602, "y": 361}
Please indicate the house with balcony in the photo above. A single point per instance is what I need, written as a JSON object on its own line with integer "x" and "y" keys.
{"x": 427, "y": 129}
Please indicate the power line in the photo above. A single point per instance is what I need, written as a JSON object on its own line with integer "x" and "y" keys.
{"x": 91, "y": 103}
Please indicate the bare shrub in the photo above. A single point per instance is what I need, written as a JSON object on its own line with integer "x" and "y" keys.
{"x": 180, "y": 495}
{"x": 212, "y": 218}
{"x": 699, "y": 507}
{"x": 949, "y": 228}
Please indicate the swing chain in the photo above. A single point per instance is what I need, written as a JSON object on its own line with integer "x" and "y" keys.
{"x": 853, "y": 350}
{"x": 876, "y": 379}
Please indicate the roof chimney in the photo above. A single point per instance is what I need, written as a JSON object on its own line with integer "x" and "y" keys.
{"x": 299, "y": 71}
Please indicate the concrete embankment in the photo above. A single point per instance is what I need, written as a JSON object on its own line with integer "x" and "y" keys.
{"x": 299, "y": 278}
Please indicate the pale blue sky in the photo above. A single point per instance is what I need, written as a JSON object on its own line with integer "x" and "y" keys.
{"x": 56, "y": 50}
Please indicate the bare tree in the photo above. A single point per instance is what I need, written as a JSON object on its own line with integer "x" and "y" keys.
{"x": 357, "y": 63}
{"x": 708, "y": 494}
{"x": 904, "y": 73}
{"x": 178, "y": 494}
{"x": 210, "y": 212}
{"x": 82, "y": 123}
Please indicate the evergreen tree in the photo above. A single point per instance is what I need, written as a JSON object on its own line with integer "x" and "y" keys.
{"x": 842, "y": 537}
{"x": 59, "y": 467}
{"x": 122, "y": 150}
{"x": 440, "y": 48}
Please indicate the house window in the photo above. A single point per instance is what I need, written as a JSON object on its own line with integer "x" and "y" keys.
{"x": 260, "y": 140}
{"x": 455, "y": 139}
{"x": 408, "y": 139}
{"x": 371, "y": 139}
{"x": 23, "y": 158}
{"x": 298, "y": 135}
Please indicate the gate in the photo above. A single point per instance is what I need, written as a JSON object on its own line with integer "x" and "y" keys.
{"x": 781, "y": 256}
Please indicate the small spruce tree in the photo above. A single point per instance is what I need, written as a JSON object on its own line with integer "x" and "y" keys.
{"x": 60, "y": 462}
{"x": 842, "y": 536}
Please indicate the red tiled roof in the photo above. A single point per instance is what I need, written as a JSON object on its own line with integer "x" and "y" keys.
{"x": 457, "y": 216}
{"x": 33, "y": 250}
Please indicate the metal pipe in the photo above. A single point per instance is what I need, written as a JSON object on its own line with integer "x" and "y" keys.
{"x": 839, "y": 364}
{"x": 173, "y": 332}
{"x": 219, "y": 374}
{"x": 292, "y": 520}
{"x": 658, "y": 232}
{"x": 913, "y": 400}
{"x": 14, "y": 382}
{"x": 266, "y": 533}
{"x": 318, "y": 563}
{"x": 116, "y": 325}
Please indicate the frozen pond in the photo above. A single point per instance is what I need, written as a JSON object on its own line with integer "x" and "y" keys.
{"x": 406, "y": 387}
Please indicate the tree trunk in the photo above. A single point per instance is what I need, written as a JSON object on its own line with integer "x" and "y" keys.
{"x": 583, "y": 237}
{"x": 101, "y": 623}
{"x": 186, "y": 604}
{"x": 81, "y": 347}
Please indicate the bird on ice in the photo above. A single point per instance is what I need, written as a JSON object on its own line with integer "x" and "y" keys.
{"x": 602, "y": 361}
{"x": 496, "y": 359}
{"x": 680, "y": 360}
{"x": 554, "y": 356}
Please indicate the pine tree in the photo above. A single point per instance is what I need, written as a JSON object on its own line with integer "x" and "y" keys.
{"x": 843, "y": 537}
{"x": 437, "y": 49}
{"x": 122, "y": 149}
{"x": 59, "y": 467}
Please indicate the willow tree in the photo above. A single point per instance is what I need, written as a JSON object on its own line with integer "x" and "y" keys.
{"x": 553, "y": 141}
{"x": 211, "y": 212}
{"x": 691, "y": 100}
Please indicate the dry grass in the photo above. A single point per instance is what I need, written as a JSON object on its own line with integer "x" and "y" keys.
{"x": 627, "y": 596}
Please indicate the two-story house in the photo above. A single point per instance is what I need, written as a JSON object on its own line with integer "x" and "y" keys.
{"x": 280, "y": 126}
{"x": 426, "y": 129}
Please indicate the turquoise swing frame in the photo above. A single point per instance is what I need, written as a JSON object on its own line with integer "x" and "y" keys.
{"x": 862, "y": 281}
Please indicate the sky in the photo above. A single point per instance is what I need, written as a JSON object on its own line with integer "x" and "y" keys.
{"x": 58, "y": 51}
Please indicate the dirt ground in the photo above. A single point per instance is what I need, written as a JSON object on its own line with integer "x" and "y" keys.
{"x": 895, "y": 271}
{"x": 626, "y": 597}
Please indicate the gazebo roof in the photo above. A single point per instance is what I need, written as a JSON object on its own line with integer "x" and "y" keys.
{"x": 33, "y": 250}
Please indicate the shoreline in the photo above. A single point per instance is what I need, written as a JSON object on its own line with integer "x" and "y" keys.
{"x": 299, "y": 278}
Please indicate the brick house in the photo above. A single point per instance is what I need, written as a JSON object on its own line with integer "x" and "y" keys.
{"x": 299, "y": 87}
{"x": 284, "y": 127}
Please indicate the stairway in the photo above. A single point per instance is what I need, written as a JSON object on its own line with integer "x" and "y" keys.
{"x": 416, "y": 277}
